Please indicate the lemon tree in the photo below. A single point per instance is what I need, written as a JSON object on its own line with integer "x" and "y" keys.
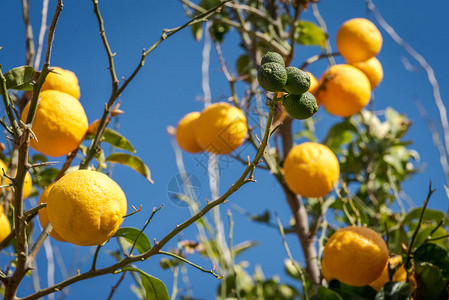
{"x": 338, "y": 164}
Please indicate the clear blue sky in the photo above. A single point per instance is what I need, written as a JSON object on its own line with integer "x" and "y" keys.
{"x": 168, "y": 87}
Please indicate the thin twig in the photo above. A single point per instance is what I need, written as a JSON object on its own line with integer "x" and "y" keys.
{"x": 114, "y": 288}
{"x": 117, "y": 91}
{"x": 316, "y": 58}
{"x": 327, "y": 45}
{"x": 415, "y": 233}
{"x": 191, "y": 263}
{"x": 290, "y": 257}
{"x": 25, "y": 260}
{"x": 155, "y": 210}
{"x": 424, "y": 64}
{"x": 157, "y": 246}
{"x": 30, "y": 51}
{"x": 43, "y": 29}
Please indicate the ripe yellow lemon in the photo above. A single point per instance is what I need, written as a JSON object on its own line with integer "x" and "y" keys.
{"x": 63, "y": 81}
{"x": 5, "y": 226}
{"x": 400, "y": 275}
{"x": 43, "y": 217}
{"x": 311, "y": 170}
{"x": 355, "y": 256}
{"x": 221, "y": 128}
{"x": 27, "y": 184}
{"x": 358, "y": 40}
{"x": 372, "y": 68}
{"x": 86, "y": 207}
{"x": 59, "y": 125}
{"x": 93, "y": 127}
{"x": 185, "y": 133}
{"x": 3, "y": 167}
{"x": 346, "y": 90}
{"x": 313, "y": 83}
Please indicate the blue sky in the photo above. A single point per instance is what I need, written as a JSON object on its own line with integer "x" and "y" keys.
{"x": 169, "y": 86}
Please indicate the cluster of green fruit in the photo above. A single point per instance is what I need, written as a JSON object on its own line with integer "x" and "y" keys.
{"x": 273, "y": 76}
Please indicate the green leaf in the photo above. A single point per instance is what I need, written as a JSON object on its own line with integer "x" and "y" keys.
{"x": 238, "y": 249}
{"x": 429, "y": 214}
{"x": 262, "y": 218}
{"x": 131, "y": 161}
{"x": 155, "y": 289}
{"x": 307, "y": 33}
{"x": 434, "y": 254}
{"x": 115, "y": 139}
{"x": 292, "y": 268}
{"x": 348, "y": 292}
{"x": 395, "y": 291}
{"x": 326, "y": 294}
{"x": 197, "y": 31}
{"x": 130, "y": 235}
{"x": 339, "y": 135}
{"x": 430, "y": 284}
{"x": 19, "y": 78}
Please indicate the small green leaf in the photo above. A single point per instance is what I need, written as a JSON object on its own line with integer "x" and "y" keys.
{"x": 326, "y": 294}
{"x": 19, "y": 78}
{"x": 293, "y": 269}
{"x": 395, "y": 291}
{"x": 130, "y": 235}
{"x": 262, "y": 218}
{"x": 115, "y": 139}
{"x": 238, "y": 249}
{"x": 197, "y": 31}
{"x": 155, "y": 289}
{"x": 348, "y": 292}
{"x": 131, "y": 161}
{"x": 430, "y": 284}
{"x": 429, "y": 214}
{"x": 339, "y": 135}
{"x": 434, "y": 254}
{"x": 307, "y": 33}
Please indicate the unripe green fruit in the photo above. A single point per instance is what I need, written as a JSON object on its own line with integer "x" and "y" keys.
{"x": 272, "y": 77}
{"x": 300, "y": 106}
{"x": 298, "y": 81}
{"x": 272, "y": 57}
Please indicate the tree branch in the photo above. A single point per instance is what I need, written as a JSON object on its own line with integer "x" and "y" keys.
{"x": 158, "y": 245}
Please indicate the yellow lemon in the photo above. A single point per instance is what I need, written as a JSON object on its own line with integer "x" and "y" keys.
{"x": 399, "y": 276}
{"x": 355, "y": 256}
{"x": 63, "y": 81}
{"x": 372, "y": 68}
{"x": 346, "y": 90}
{"x": 86, "y": 207}
{"x": 311, "y": 170}
{"x": 358, "y": 40}
{"x": 313, "y": 83}
{"x": 185, "y": 133}
{"x": 59, "y": 125}
{"x": 43, "y": 217}
{"x": 27, "y": 184}
{"x": 221, "y": 128}
{"x": 5, "y": 226}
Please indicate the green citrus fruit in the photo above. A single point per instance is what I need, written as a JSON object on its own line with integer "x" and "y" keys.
{"x": 300, "y": 106}
{"x": 272, "y": 77}
{"x": 298, "y": 81}
{"x": 273, "y": 57}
